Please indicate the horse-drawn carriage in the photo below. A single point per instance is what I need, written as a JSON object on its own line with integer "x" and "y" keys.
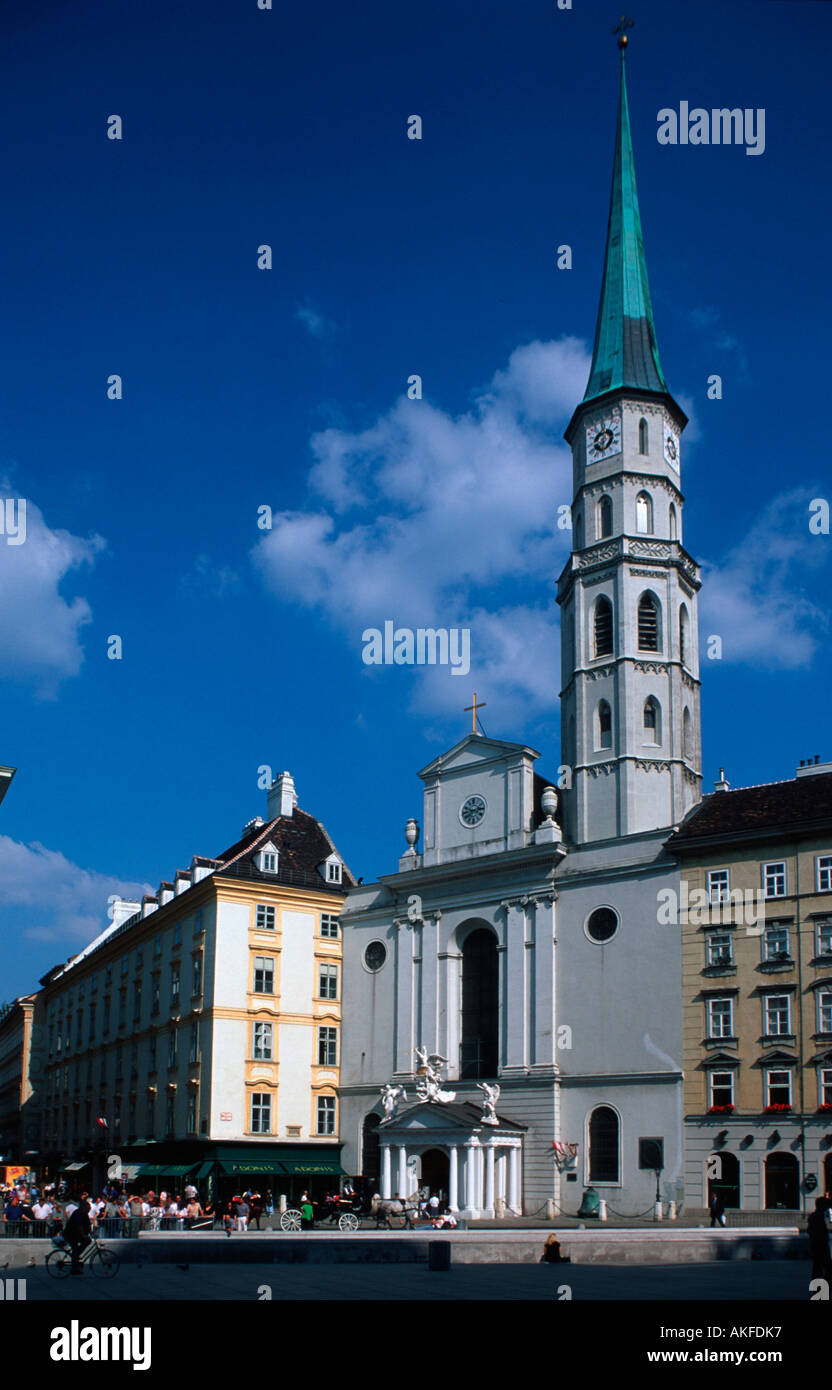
{"x": 391, "y": 1213}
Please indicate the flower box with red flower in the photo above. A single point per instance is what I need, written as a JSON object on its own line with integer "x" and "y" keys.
{"x": 721, "y": 1110}
{"x": 779, "y": 1108}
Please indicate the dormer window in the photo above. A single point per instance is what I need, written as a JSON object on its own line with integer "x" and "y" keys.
{"x": 268, "y": 859}
{"x": 333, "y": 872}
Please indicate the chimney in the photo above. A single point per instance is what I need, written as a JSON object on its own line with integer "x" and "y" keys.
{"x": 149, "y": 904}
{"x": 810, "y": 767}
{"x": 183, "y": 881}
{"x": 721, "y": 784}
{"x": 200, "y": 869}
{"x": 166, "y": 892}
{"x": 123, "y": 909}
{"x": 282, "y": 797}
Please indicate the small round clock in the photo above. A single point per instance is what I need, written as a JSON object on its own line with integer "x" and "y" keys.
{"x": 472, "y": 811}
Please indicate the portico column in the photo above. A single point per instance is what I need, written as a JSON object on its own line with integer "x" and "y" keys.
{"x": 401, "y": 1185}
{"x": 385, "y": 1172}
{"x": 453, "y": 1179}
{"x": 470, "y": 1178}
{"x": 489, "y": 1180}
{"x": 514, "y": 1180}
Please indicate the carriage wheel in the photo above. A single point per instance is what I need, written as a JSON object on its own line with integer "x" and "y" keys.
{"x": 348, "y": 1221}
{"x": 291, "y": 1220}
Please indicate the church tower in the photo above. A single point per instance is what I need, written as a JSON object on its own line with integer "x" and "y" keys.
{"x": 629, "y": 630}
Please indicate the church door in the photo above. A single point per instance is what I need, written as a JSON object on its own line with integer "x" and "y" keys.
{"x": 436, "y": 1172}
{"x": 480, "y": 1005}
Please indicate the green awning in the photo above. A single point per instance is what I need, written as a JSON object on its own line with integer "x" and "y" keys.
{"x": 230, "y": 1166}
{"x": 312, "y": 1166}
{"x": 175, "y": 1170}
{"x": 149, "y": 1170}
{"x": 205, "y": 1169}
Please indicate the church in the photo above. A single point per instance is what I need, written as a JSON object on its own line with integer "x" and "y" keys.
{"x": 512, "y": 991}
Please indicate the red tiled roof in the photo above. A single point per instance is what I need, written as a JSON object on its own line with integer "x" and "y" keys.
{"x": 746, "y": 811}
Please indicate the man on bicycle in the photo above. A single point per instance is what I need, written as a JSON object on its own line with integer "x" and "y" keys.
{"x": 77, "y": 1232}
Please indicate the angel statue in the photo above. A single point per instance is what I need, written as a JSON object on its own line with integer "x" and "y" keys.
{"x": 390, "y": 1097}
{"x": 490, "y": 1096}
{"x": 429, "y": 1085}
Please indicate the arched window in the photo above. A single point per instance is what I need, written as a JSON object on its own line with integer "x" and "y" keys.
{"x": 642, "y": 437}
{"x": 644, "y": 513}
{"x": 683, "y": 634}
{"x": 649, "y": 624}
{"x": 603, "y": 627}
{"x": 687, "y": 739}
{"x": 604, "y": 517}
{"x": 673, "y": 523}
{"x": 604, "y": 732}
{"x": 782, "y": 1182}
{"x": 652, "y": 720}
{"x": 603, "y": 1145}
{"x": 578, "y": 531}
{"x": 480, "y": 1005}
{"x": 727, "y": 1183}
{"x": 369, "y": 1147}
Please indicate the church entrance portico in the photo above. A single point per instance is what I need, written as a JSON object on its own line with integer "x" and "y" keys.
{"x": 477, "y": 1165}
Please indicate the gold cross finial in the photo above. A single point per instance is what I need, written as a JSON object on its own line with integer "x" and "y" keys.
{"x": 623, "y": 23}
{"x": 474, "y": 707}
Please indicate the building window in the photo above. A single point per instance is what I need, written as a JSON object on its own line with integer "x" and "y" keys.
{"x": 603, "y": 627}
{"x": 825, "y": 1010}
{"x": 644, "y": 513}
{"x": 825, "y": 873}
{"x": 776, "y": 942}
{"x": 137, "y": 1001}
{"x": 154, "y": 995}
{"x": 652, "y": 720}
{"x": 774, "y": 879}
{"x": 326, "y": 1115}
{"x": 601, "y": 925}
{"x": 603, "y": 1145}
{"x": 124, "y": 965}
{"x": 196, "y": 986}
{"x": 151, "y": 1049}
{"x": 157, "y": 946}
{"x": 263, "y": 975}
{"x": 479, "y": 1049}
{"x": 139, "y": 958}
{"x": 329, "y": 924}
{"x": 673, "y": 523}
{"x": 642, "y": 437}
{"x": 604, "y": 725}
{"x": 172, "y": 1037}
{"x": 648, "y": 624}
{"x": 264, "y": 917}
{"x": 193, "y": 1047}
{"x": 191, "y": 1114}
{"x": 170, "y": 1114}
{"x": 108, "y": 977}
{"x": 825, "y": 1086}
{"x": 721, "y": 1088}
{"x": 90, "y": 1023}
{"x": 824, "y": 936}
{"x": 261, "y": 1112}
{"x": 333, "y": 871}
{"x": 328, "y": 981}
{"x": 268, "y": 862}
{"x": 198, "y": 923}
{"x": 778, "y": 1088}
{"x": 134, "y": 1062}
{"x": 174, "y": 986}
{"x": 683, "y": 634}
{"x": 177, "y": 933}
{"x": 718, "y": 885}
{"x": 720, "y": 1018}
{"x": 105, "y": 1021}
{"x": 604, "y": 518}
{"x": 719, "y": 946}
{"x": 776, "y": 1022}
{"x": 122, "y": 1007}
{"x": 327, "y": 1047}
{"x": 263, "y": 1041}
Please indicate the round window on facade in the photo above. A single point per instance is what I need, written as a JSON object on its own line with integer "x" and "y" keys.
{"x": 601, "y": 925}
{"x": 375, "y": 955}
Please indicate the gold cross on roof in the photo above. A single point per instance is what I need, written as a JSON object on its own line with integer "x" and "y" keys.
{"x": 474, "y": 707}
{"x": 623, "y": 23}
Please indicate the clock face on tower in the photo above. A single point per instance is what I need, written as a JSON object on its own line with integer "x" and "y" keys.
{"x": 671, "y": 447}
{"x": 472, "y": 811}
{"x": 603, "y": 439}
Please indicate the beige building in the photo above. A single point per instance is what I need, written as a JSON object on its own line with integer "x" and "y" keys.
{"x": 756, "y": 927}
{"x": 21, "y": 1072}
{"x": 199, "y": 1034}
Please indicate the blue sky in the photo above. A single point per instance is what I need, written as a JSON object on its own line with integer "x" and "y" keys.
{"x": 286, "y": 388}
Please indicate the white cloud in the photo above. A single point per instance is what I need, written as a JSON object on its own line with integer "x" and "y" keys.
{"x": 217, "y": 580}
{"x": 418, "y": 517}
{"x": 316, "y": 324}
{"x": 756, "y": 599}
{"x": 39, "y": 628}
{"x": 58, "y": 900}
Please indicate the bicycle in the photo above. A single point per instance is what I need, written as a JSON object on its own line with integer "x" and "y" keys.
{"x": 102, "y": 1262}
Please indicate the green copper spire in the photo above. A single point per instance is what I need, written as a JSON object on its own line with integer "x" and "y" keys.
{"x": 625, "y": 351}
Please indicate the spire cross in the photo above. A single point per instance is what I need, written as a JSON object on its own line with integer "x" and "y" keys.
{"x": 623, "y": 23}
{"x": 474, "y": 707}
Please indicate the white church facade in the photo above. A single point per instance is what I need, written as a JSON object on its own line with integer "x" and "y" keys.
{"x": 520, "y": 944}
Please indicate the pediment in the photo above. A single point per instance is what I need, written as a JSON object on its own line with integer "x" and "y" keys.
{"x": 473, "y": 751}
{"x": 432, "y": 1118}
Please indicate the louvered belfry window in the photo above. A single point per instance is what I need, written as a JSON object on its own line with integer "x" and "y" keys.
{"x": 648, "y": 624}
{"x": 603, "y": 627}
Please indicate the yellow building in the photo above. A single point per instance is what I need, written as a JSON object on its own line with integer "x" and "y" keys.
{"x": 756, "y": 925}
{"x": 198, "y": 1037}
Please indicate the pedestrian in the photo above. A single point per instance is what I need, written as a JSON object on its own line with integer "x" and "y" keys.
{"x": 307, "y": 1213}
{"x": 228, "y": 1221}
{"x": 256, "y": 1205}
{"x": 819, "y": 1240}
{"x": 717, "y": 1208}
{"x": 190, "y": 1192}
{"x": 243, "y": 1210}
